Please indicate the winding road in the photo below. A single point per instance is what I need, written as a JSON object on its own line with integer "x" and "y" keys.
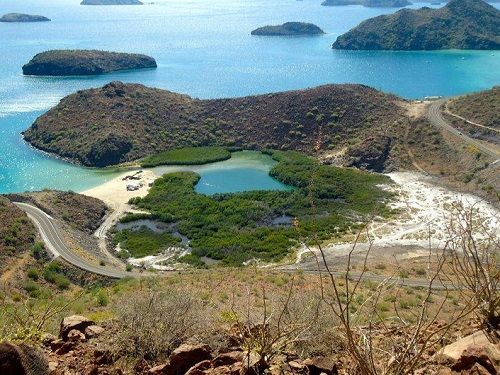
{"x": 51, "y": 235}
{"x": 55, "y": 244}
{"x": 435, "y": 116}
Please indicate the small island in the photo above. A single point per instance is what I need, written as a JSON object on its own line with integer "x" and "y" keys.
{"x": 289, "y": 29}
{"x": 111, "y": 2}
{"x": 20, "y": 17}
{"x": 461, "y": 24}
{"x": 368, "y": 3}
{"x": 84, "y": 62}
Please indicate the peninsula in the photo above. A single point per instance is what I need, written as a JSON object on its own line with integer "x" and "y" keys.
{"x": 125, "y": 122}
{"x": 289, "y": 29}
{"x": 84, "y": 62}
{"x": 461, "y": 24}
{"x": 20, "y": 17}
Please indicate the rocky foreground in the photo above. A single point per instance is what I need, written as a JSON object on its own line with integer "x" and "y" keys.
{"x": 461, "y": 24}
{"x": 79, "y": 350}
{"x": 84, "y": 62}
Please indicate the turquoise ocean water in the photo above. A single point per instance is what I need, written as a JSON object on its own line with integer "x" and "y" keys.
{"x": 204, "y": 49}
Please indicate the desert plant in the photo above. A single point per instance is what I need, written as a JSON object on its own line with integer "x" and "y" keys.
{"x": 277, "y": 324}
{"x": 475, "y": 252}
{"x": 153, "y": 323}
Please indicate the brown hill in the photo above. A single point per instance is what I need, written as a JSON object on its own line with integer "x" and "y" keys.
{"x": 123, "y": 122}
{"x": 17, "y": 234}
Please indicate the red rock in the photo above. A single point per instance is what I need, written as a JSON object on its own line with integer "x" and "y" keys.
{"x": 475, "y": 355}
{"x": 22, "y": 359}
{"x": 318, "y": 365}
{"x": 73, "y": 322}
{"x": 226, "y": 359}
{"x": 186, "y": 356}
{"x": 65, "y": 348}
{"x": 93, "y": 331}
{"x": 161, "y": 370}
{"x": 76, "y": 336}
{"x": 199, "y": 368}
{"x": 102, "y": 357}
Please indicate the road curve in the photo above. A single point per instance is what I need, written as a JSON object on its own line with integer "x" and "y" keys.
{"x": 53, "y": 241}
{"x": 435, "y": 116}
{"x": 55, "y": 244}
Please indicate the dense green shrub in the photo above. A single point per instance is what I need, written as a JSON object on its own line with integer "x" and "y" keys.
{"x": 235, "y": 228}
{"x": 143, "y": 242}
{"x": 187, "y": 156}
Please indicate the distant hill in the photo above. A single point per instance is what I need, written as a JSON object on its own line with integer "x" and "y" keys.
{"x": 19, "y": 17}
{"x": 124, "y": 122}
{"x": 461, "y": 24}
{"x": 289, "y": 29}
{"x": 369, "y": 3}
{"x": 84, "y": 62}
{"x": 111, "y": 2}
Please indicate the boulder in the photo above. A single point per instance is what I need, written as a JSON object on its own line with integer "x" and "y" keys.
{"x": 226, "y": 359}
{"x": 22, "y": 360}
{"x": 199, "y": 368}
{"x": 77, "y": 322}
{"x": 187, "y": 355}
{"x": 76, "y": 336}
{"x": 455, "y": 350}
{"x": 161, "y": 370}
{"x": 318, "y": 365}
{"x": 477, "y": 355}
{"x": 93, "y": 331}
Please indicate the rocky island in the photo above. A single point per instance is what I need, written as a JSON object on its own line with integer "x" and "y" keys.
{"x": 111, "y": 2}
{"x": 369, "y": 3}
{"x": 461, "y": 24}
{"x": 289, "y": 29}
{"x": 84, "y": 62}
{"x": 19, "y": 17}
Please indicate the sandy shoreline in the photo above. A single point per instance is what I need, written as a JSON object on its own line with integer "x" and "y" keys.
{"x": 114, "y": 192}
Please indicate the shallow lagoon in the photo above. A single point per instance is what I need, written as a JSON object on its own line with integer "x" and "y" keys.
{"x": 203, "y": 48}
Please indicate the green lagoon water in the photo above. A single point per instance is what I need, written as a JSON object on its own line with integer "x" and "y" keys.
{"x": 246, "y": 170}
{"x": 204, "y": 49}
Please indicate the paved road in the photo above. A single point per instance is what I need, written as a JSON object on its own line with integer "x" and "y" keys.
{"x": 435, "y": 116}
{"x": 55, "y": 244}
{"x": 354, "y": 276}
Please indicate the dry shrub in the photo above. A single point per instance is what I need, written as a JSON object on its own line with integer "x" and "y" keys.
{"x": 275, "y": 324}
{"x": 475, "y": 252}
{"x": 153, "y": 323}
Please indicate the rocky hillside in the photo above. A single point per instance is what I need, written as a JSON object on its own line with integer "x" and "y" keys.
{"x": 17, "y": 234}
{"x": 84, "y": 62}
{"x": 79, "y": 211}
{"x": 124, "y": 122}
{"x": 19, "y": 17}
{"x": 461, "y": 24}
{"x": 482, "y": 107}
{"x": 289, "y": 29}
